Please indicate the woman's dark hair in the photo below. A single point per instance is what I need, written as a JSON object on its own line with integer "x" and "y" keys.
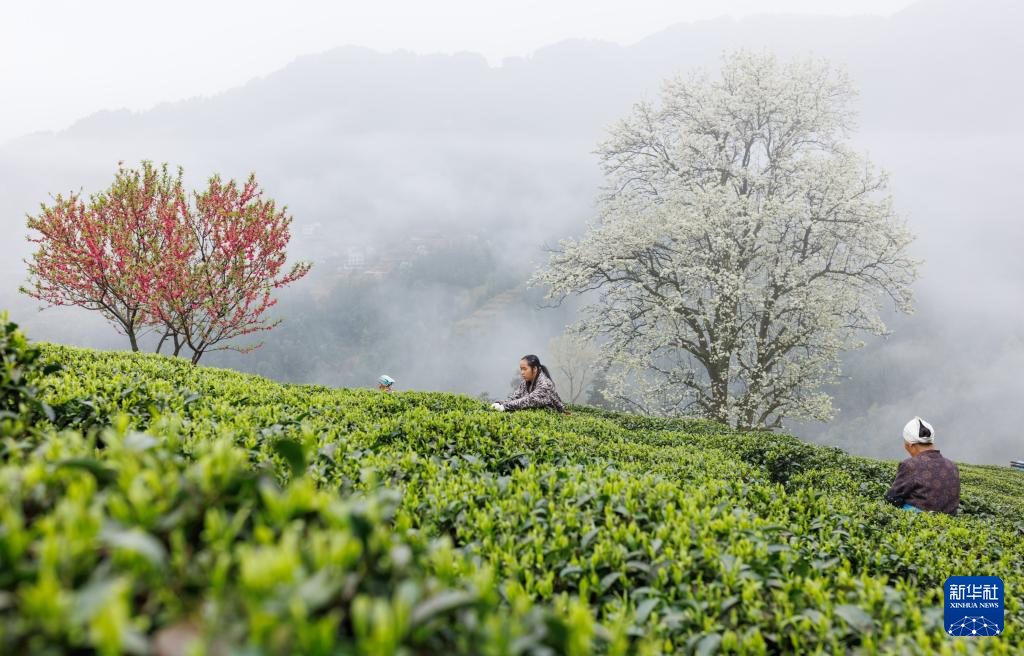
{"x": 533, "y": 362}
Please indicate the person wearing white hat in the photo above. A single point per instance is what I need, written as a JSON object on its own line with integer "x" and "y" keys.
{"x": 927, "y": 480}
{"x": 385, "y": 382}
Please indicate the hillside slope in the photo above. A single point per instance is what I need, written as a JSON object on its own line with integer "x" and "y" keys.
{"x": 185, "y": 503}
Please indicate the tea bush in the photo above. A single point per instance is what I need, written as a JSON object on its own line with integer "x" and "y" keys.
{"x": 159, "y": 504}
{"x": 20, "y": 367}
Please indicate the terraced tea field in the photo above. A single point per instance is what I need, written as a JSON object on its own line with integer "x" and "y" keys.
{"x": 147, "y": 504}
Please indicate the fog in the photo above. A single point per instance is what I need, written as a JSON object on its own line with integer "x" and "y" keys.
{"x": 425, "y": 189}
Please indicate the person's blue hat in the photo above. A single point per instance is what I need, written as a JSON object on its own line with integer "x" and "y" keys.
{"x": 386, "y": 380}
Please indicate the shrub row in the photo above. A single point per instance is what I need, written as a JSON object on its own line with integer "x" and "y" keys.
{"x": 155, "y": 503}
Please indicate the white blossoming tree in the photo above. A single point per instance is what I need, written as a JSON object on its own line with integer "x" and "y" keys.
{"x": 740, "y": 246}
{"x": 576, "y": 364}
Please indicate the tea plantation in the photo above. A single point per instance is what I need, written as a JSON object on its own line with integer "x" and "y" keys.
{"x": 149, "y": 505}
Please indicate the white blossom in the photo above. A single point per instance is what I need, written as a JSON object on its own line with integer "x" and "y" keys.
{"x": 740, "y": 246}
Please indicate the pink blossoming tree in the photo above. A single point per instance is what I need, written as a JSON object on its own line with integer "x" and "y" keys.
{"x": 199, "y": 269}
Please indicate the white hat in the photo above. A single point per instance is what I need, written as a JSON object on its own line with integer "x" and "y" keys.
{"x": 918, "y": 431}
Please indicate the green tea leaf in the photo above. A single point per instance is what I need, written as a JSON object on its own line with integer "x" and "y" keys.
{"x": 136, "y": 441}
{"x": 136, "y": 541}
{"x": 441, "y": 604}
{"x": 643, "y": 611}
{"x": 709, "y": 645}
{"x": 293, "y": 454}
{"x": 608, "y": 580}
{"x": 855, "y": 616}
{"x": 104, "y": 475}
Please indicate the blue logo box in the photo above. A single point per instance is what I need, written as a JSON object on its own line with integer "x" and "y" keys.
{"x": 974, "y": 606}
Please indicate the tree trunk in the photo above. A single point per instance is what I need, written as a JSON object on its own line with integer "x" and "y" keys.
{"x": 719, "y": 374}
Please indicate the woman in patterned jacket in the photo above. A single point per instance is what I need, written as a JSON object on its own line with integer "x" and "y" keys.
{"x": 536, "y": 391}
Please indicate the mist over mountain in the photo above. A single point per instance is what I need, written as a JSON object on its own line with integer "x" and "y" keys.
{"x": 426, "y": 188}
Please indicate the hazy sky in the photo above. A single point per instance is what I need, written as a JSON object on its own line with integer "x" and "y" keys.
{"x": 61, "y": 60}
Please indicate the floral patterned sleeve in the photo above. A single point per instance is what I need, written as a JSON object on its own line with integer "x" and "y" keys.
{"x": 901, "y": 486}
{"x": 518, "y": 394}
{"x": 542, "y": 396}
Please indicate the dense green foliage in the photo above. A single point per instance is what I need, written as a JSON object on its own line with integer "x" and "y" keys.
{"x": 20, "y": 363}
{"x": 162, "y": 502}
